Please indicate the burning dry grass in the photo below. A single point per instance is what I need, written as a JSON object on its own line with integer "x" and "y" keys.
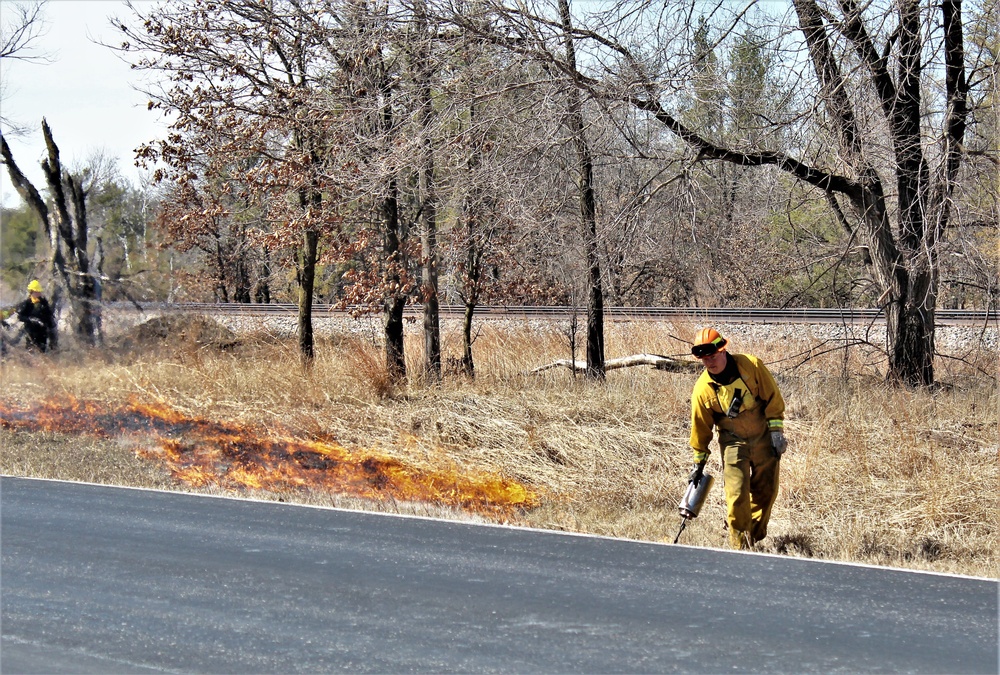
{"x": 875, "y": 474}
{"x": 201, "y": 453}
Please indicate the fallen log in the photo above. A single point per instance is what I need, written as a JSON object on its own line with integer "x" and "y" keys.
{"x": 656, "y": 361}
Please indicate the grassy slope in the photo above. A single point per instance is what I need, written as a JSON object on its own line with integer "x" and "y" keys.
{"x": 875, "y": 474}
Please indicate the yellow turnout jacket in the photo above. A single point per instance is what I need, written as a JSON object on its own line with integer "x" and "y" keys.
{"x": 763, "y": 408}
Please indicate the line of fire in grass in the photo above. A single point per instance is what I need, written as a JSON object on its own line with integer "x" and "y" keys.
{"x": 202, "y": 453}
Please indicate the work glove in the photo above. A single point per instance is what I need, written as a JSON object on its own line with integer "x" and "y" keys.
{"x": 696, "y": 475}
{"x": 779, "y": 443}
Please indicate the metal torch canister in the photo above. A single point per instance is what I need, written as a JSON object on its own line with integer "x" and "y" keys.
{"x": 695, "y": 497}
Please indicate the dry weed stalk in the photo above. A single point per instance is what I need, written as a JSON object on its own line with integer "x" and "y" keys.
{"x": 875, "y": 474}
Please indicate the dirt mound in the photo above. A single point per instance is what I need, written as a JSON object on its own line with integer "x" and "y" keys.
{"x": 176, "y": 332}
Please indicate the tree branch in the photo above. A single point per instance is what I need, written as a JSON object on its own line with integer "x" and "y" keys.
{"x": 655, "y": 360}
{"x": 24, "y": 186}
{"x": 706, "y": 150}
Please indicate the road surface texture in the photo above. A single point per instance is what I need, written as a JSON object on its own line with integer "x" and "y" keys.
{"x": 104, "y": 580}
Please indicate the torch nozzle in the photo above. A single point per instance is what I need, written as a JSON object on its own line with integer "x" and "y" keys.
{"x": 684, "y": 522}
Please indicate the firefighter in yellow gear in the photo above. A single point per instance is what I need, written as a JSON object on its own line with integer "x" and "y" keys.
{"x": 38, "y": 318}
{"x": 737, "y": 395}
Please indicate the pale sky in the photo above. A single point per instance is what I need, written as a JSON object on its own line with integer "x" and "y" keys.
{"x": 87, "y": 94}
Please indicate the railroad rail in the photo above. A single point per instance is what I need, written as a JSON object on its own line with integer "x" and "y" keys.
{"x": 714, "y": 314}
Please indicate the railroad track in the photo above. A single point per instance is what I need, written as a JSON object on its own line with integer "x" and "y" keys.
{"x": 558, "y": 313}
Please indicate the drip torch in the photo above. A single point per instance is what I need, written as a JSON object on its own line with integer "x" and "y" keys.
{"x": 694, "y": 498}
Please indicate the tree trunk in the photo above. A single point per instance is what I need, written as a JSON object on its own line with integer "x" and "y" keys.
{"x": 395, "y": 359}
{"x": 588, "y": 210}
{"x": 307, "y": 280}
{"x": 85, "y": 290}
{"x": 911, "y": 360}
{"x": 428, "y": 198}
{"x": 262, "y": 289}
{"x": 468, "y": 365}
{"x": 241, "y": 277}
{"x": 470, "y": 292}
{"x": 432, "y": 320}
{"x": 475, "y": 242}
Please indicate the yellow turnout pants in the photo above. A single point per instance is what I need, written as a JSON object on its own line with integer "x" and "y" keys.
{"x": 750, "y": 473}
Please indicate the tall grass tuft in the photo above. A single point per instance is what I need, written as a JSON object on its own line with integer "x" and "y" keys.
{"x": 367, "y": 367}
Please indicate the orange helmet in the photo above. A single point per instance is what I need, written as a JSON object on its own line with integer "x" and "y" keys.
{"x": 707, "y": 342}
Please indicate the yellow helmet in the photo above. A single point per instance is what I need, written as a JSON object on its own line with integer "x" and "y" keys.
{"x": 35, "y": 286}
{"x": 707, "y": 342}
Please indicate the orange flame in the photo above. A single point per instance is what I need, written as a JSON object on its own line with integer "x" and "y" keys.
{"x": 204, "y": 453}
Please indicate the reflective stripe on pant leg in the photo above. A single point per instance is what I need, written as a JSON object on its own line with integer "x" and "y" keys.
{"x": 736, "y": 477}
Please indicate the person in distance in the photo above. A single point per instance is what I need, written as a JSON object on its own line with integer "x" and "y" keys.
{"x": 38, "y": 319}
{"x": 737, "y": 395}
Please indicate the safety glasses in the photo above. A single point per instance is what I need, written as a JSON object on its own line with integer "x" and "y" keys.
{"x": 701, "y": 351}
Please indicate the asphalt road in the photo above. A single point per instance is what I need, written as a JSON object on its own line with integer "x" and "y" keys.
{"x": 99, "y": 579}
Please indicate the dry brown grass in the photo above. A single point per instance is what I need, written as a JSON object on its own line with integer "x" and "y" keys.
{"x": 875, "y": 474}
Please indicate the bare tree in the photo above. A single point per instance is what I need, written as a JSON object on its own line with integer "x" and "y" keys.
{"x": 19, "y": 32}
{"x": 422, "y": 66}
{"x": 588, "y": 206}
{"x": 205, "y": 218}
{"x": 21, "y": 26}
{"x": 369, "y": 88}
{"x": 557, "y": 103}
{"x": 65, "y": 225}
{"x": 489, "y": 181}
